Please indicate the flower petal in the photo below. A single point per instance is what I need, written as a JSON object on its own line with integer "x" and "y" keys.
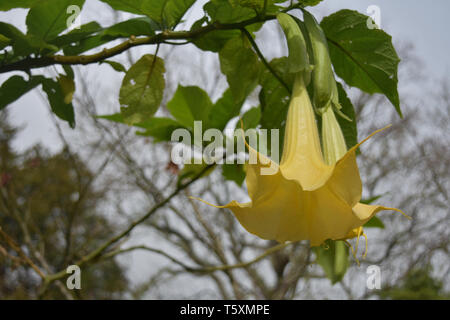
{"x": 302, "y": 155}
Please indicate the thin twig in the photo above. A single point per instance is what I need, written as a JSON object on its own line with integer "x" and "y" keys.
{"x": 209, "y": 269}
{"x": 264, "y": 61}
{"x": 101, "y": 249}
{"x": 12, "y": 244}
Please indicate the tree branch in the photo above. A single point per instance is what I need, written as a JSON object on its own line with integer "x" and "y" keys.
{"x": 209, "y": 269}
{"x": 99, "y": 251}
{"x": 39, "y": 62}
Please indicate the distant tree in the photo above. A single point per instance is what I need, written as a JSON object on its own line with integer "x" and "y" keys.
{"x": 48, "y": 208}
{"x": 417, "y": 285}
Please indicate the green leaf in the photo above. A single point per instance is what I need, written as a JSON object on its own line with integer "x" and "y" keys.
{"x": 332, "y": 256}
{"x": 6, "y": 5}
{"x": 69, "y": 71}
{"x": 189, "y": 104}
{"x": 250, "y": 118}
{"x": 374, "y": 222}
{"x": 298, "y": 59}
{"x": 309, "y": 3}
{"x": 67, "y": 87}
{"x": 234, "y": 172}
{"x": 174, "y": 10}
{"x": 56, "y": 98}
{"x": 223, "y": 111}
{"x": 371, "y": 200}
{"x": 21, "y": 44}
{"x": 142, "y": 89}
{"x": 13, "y": 88}
{"x": 241, "y": 66}
{"x": 115, "y": 117}
{"x": 274, "y": 98}
{"x": 86, "y": 44}
{"x": 349, "y": 128}
{"x": 159, "y": 128}
{"x": 141, "y": 7}
{"x": 258, "y": 5}
{"x": 4, "y": 41}
{"x": 76, "y": 35}
{"x": 115, "y": 65}
{"x": 253, "y": 4}
{"x": 142, "y": 26}
{"x": 364, "y": 58}
{"x": 224, "y": 12}
{"x": 213, "y": 40}
{"x": 164, "y": 12}
{"x": 48, "y": 18}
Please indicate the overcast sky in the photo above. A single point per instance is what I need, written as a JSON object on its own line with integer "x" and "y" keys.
{"x": 423, "y": 23}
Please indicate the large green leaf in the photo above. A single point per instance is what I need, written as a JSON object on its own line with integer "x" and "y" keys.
{"x": 174, "y": 10}
{"x": 13, "y": 88}
{"x": 115, "y": 65}
{"x": 189, "y": 104}
{"x": 6, "y": 5}
{"x": 274, "y": 98}
{"x": 374, "y": 222}
{"x": 364, "y": 58}
{"x": 309, "y": 3}
{"x": 142, "y": 26}
{"x": 234, "y": 172}
{"x": 86, "y": 44}
{"x": 142, "y": 89}
{"x": 165, "y": 12}
{"x": 332, "y": 256}
{"x": 20, "y": 43}
{"x": 223, "y": 110}
{"x": 141, "y": 7}
{"x": 48, "y": 18}
{"x": 57, "y": 99}
{"x": 224, "y": 12}
{"x": 159, "y": 128}
{"x": 67, "y": 87}
{"x": 241, "y": 66}
{"x": 213, "y": 40}
{"x": 76, "y": 35}
{"x": 4, "y": 41}
{"x": 268, "y": 6}
{"x": 250, "y": 118}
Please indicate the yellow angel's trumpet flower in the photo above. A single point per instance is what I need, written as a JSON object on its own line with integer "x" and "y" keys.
{"x": 305, "y": 198}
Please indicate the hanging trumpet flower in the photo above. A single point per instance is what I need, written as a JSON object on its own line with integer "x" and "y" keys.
{"x": 308, "y": 197}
